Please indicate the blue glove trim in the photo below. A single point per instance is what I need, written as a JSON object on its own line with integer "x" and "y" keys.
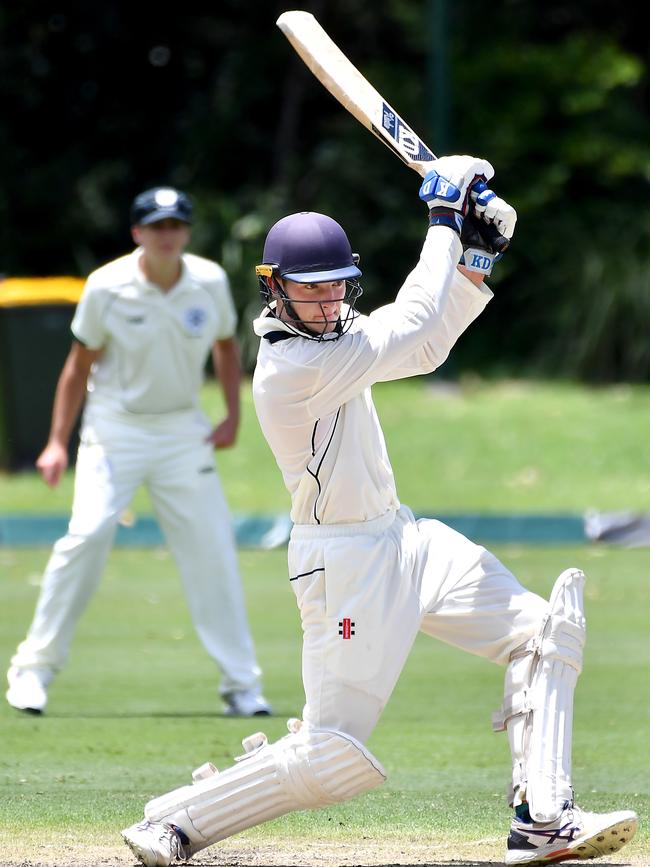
{"x": 434, "y": 186}
{"x": 446, "y": 217}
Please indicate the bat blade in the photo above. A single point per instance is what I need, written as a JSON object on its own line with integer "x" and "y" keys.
{"x": 344, "y": 81}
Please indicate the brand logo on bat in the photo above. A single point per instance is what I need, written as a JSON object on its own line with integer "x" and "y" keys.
{"x": 404, "y": 135}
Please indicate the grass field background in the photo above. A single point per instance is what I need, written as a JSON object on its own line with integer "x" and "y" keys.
{"x": 137, "y": 709}
{"x": 473, "y": 446}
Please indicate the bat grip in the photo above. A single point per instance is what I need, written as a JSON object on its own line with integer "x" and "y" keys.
{"x": 488, "y": 231}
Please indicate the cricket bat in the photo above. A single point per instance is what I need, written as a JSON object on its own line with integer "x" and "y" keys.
{"x": 344, "y": 81}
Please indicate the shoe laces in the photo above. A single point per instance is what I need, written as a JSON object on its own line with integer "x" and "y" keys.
{"x": 572, "y": 812}
{"x": 170, "y": 835}
{"x": 179, "y": 841}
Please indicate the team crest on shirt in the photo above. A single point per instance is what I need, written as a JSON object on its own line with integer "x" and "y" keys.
{"x": 194, "y": 319}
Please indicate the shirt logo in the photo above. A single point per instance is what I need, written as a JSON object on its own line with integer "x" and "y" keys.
{"x": 346, "y": 627}
{"x": 194, "y": 319}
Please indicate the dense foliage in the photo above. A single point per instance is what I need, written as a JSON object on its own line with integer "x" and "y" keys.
{"x": 102, "y": 100}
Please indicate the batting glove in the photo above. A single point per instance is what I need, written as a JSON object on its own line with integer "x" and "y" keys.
{"x": 493, "y": 210}
{"x": 446, "y": 188}
{"x": 487, "y": 230}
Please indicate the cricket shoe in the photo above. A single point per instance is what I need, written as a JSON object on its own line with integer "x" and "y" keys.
{"x": 157, "y": 844}
{"x": 245, "y": 702}
{"x": 28, "y": 688}
{"x": 575, "y": 835}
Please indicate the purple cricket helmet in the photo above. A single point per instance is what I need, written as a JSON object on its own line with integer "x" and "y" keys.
{"x": 310, "y": 248}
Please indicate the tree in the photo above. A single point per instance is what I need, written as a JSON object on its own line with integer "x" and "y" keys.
{"x": 102, "y": 101}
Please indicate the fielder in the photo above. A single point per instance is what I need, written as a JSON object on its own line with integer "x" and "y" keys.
{"x": 367, "y": 576}
{"x": 143, "y": 330}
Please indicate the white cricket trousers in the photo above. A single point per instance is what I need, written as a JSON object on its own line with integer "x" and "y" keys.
{"x": 170, "y": 457}
{"x": 365, "y": 590}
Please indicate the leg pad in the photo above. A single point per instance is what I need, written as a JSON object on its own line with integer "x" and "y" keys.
{"x": 304, "y": 770}
{"x": 538, "y": 706}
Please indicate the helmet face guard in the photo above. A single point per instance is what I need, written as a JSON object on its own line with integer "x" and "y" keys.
{"x": 309, "y": 248}
{"x": 272, "y": 292}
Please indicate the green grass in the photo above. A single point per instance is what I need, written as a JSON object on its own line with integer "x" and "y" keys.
{"x": 136, "y": 709}
{"x": 486, "y": 447}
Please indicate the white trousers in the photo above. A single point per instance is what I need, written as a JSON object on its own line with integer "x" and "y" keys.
{"x": 170, "y": 457}
{"x": 365, "y": 590}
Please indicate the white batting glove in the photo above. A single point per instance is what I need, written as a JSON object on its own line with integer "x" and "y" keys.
{"x": 494, "y": 210}
{"x": 487, "y": 229}
{"x": 446, "y": 188}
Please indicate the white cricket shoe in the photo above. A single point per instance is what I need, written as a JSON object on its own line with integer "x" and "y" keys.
{"x": 245, "y": 702}
{"x": 28, "y": 688}
{"x": 155, "y": 844}
{"x": 575, "y": 835}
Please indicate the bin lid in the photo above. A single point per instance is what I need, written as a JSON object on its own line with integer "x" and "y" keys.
{"x": 24, "y": 291}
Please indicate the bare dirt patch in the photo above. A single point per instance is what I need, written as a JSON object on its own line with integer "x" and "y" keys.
{"x": 479, "y": 853}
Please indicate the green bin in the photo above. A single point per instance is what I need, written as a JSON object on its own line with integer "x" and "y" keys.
{"x": 35, "y": 317}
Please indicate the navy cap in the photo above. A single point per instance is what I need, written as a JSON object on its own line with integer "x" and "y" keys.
{"x": 160, "y": 203}
{"x": 310, "y": 248}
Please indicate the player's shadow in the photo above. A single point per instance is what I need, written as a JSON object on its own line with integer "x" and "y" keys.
{"x": 156, "y": 714}
{"x": 136, "y": 714}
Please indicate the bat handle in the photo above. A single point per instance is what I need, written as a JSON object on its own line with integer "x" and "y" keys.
{"x": 488, "y": 231}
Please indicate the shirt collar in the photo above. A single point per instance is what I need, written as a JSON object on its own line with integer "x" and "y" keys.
{"x": 146, "y": 285}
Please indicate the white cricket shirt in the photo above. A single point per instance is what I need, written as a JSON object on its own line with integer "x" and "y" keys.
{"x": 313, "y": 398}
{"x": 155, "y": 343}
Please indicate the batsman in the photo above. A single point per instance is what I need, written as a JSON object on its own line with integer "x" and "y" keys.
{"x": 366, "y": 574}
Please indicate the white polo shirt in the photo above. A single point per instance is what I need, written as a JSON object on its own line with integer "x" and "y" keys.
{"x": 155, "y": 343}
{"x": 313, "y": 398}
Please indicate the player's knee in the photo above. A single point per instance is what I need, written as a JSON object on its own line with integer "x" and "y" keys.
{"x": 89, "y": 531}
{"x": 332, "y": 766}
{"x": 559, "y": 637}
